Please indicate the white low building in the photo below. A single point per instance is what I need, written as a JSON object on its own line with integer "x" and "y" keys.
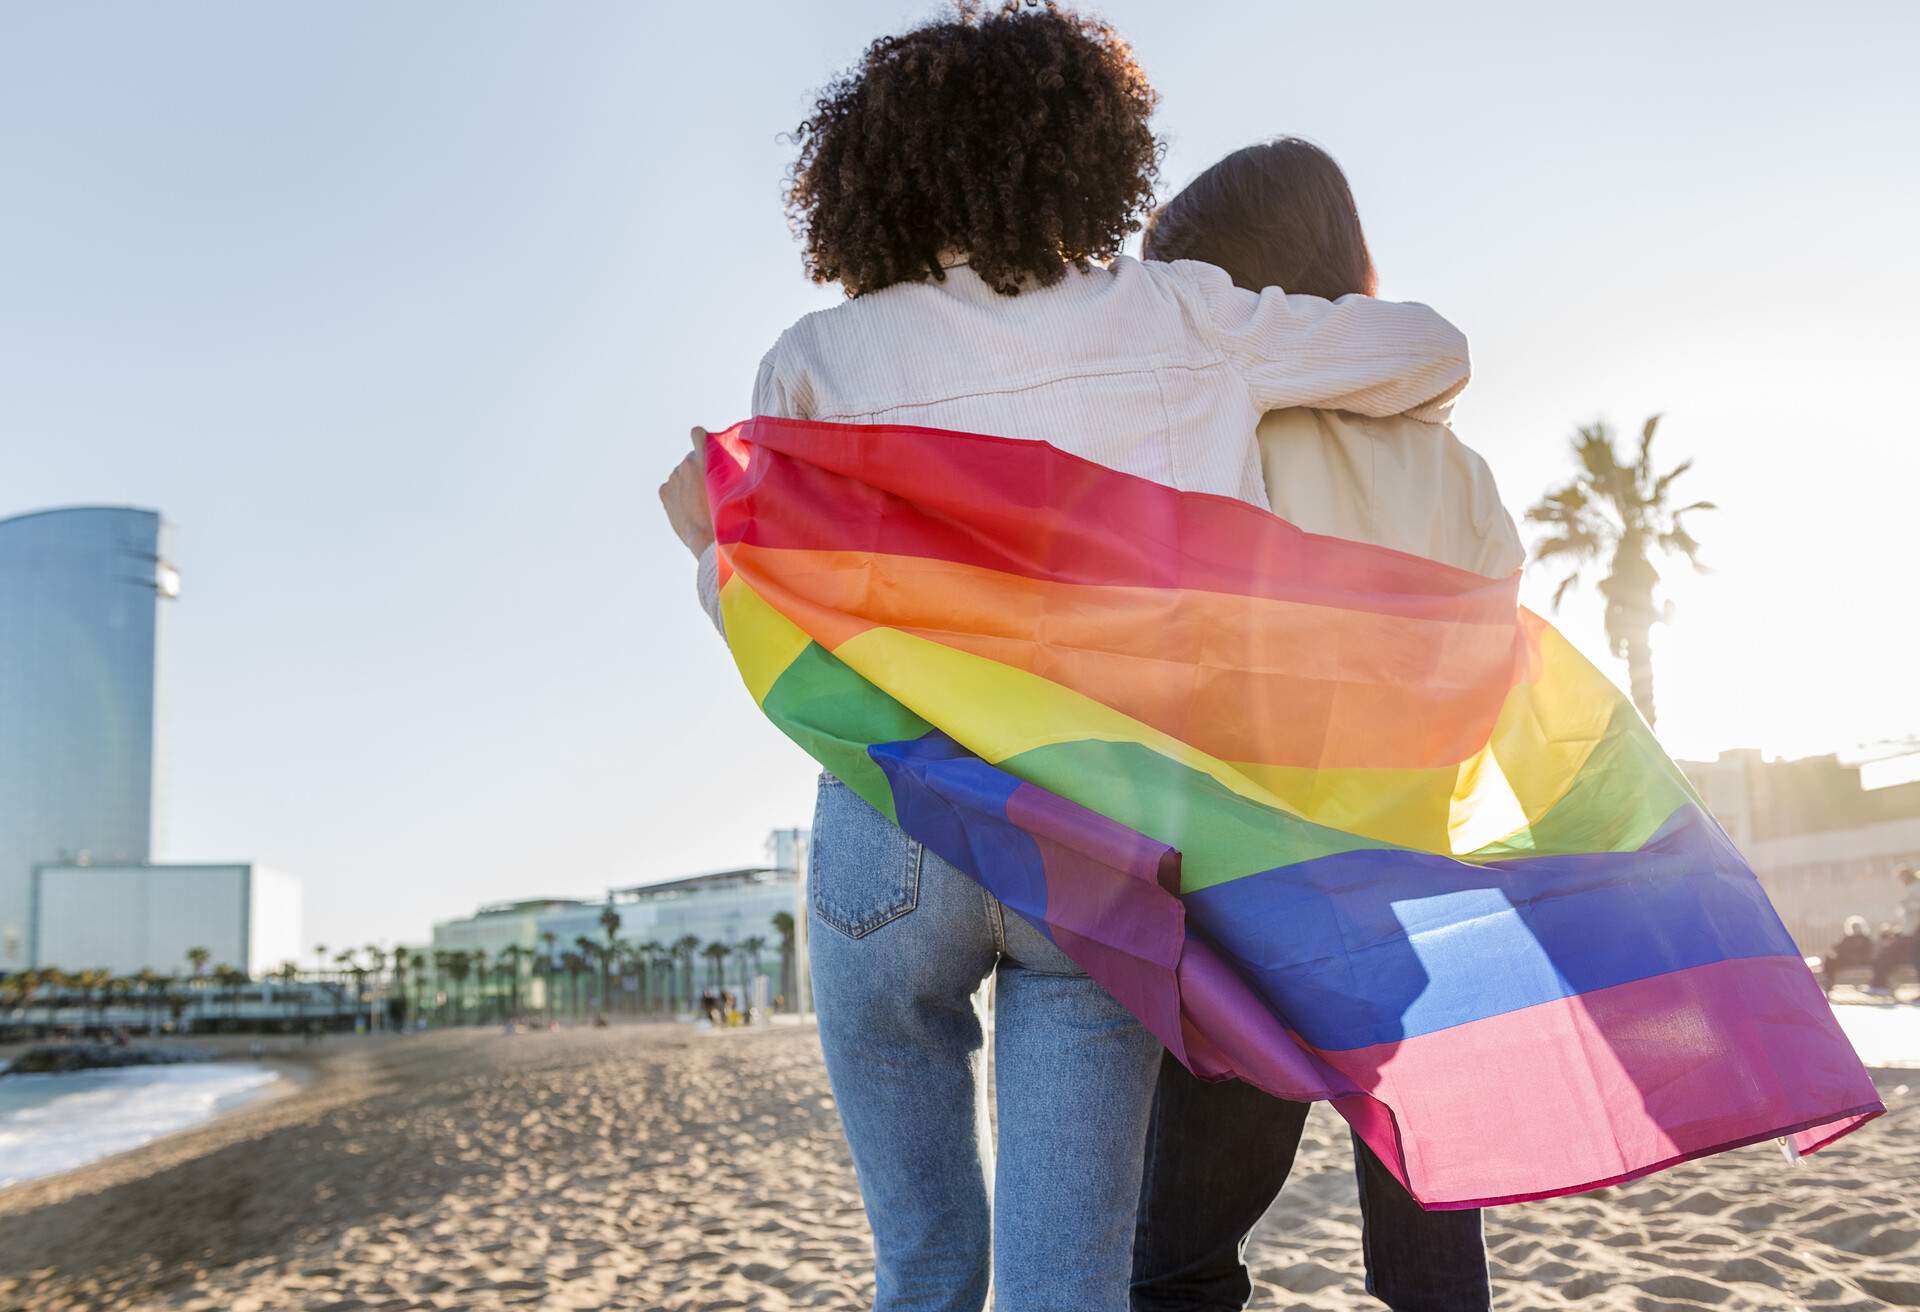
{"x": 1824, "y": 844}
{"x": 679, "y": 937}
{"x": 129, "y": 918}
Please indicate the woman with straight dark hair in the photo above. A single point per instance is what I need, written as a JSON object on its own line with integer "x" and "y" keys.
{"x": 967, "y": 183}
{"x": 1280, "y": 214}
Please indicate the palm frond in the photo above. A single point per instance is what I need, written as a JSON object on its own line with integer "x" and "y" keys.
{"x": 1665, "y": 481}
{"x": 1682, "y": 543}
{"x": 1556, "y": 511}
{"x": 1567, "y": 584}
{"x": 1581, "y": 547}
{"x": 1593, "y": 448}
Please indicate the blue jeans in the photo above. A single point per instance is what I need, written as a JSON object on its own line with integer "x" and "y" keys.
{"x": 1217, "y": 1156}
{"x": 899, "y": 941}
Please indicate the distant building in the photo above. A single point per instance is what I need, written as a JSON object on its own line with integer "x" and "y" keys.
{"x": 501, "y": 925}
{"x": 726, "y": 907}
{"x": 731, "y": 908}
{"x": 1824, "y": 847}
{"x": 80, "y": 617}
{"x": 81, "y": 654}
{"x": 131, "y": 918}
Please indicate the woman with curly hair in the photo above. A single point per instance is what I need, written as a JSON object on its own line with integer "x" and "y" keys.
{"x": 970, "y": 184}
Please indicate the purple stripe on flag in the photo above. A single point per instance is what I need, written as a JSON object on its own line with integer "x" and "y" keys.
{"x": 1111, "y": 905}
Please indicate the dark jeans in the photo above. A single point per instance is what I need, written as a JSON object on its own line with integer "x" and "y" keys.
{"x": 1217, "y": 1155}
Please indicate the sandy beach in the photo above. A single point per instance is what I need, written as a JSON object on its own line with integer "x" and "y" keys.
{"x": 659, "y": 1167}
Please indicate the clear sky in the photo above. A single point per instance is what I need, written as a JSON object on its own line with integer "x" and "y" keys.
{"x": 400, "y": 312}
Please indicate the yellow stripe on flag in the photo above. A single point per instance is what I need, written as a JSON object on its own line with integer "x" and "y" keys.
{"x": 764, "y": 641}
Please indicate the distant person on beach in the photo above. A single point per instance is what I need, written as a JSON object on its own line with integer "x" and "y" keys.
{"x": 1853, "y": 950}
{"x": 967, "y": 185}
{"x": 1854, "y": 947}
{"x": 1902, "y": 948}
{"x": 1280, "y": 214}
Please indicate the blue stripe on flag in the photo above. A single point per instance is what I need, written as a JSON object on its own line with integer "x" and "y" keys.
{"x": 1370, "y": 947}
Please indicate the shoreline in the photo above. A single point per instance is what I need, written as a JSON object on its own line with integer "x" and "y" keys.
{"x": 57, "y": 1122}
{"x": 653, "y": 1166}
{"x": 301, "y": 1068}
{"x": 292, "y": 1078}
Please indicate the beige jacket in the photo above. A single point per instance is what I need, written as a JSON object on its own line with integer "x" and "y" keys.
{"x": 1396, "y": 482}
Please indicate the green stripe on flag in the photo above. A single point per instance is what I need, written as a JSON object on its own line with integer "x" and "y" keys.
{"x": 835, "y": 715}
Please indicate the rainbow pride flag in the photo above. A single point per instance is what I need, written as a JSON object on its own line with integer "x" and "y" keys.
{"x": 1340, "y": 822}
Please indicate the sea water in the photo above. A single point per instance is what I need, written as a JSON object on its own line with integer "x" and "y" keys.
{"x": 53, "y": 1123}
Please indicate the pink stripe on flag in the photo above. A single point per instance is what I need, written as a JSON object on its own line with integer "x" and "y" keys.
{"x": 1611, "y": 1085}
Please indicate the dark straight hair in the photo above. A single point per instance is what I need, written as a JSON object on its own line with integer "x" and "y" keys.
{"x": 1279, "y": 214}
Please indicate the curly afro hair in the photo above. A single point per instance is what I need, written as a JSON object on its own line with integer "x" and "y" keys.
{"x": 1016, "y": 136}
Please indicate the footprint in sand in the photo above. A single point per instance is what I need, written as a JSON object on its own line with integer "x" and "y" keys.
{"x": 1691, "y": 1288}
{"x": 1865, "y": 1235}
{"x": 1900, "y": 1293}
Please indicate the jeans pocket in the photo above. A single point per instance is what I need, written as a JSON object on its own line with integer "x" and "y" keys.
{"x": 864, "y": 870}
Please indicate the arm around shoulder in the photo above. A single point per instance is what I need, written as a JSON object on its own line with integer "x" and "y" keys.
{"x": 1358, "y": 353}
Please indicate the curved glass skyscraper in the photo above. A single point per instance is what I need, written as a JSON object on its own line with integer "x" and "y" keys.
{"x": 80, "y": 618}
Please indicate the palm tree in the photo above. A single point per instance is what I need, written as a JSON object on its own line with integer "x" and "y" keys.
{"x": 783, "y": 926}
{"x": 647, "y": 955}
{"x": 1624, "y": 514}
{"x": 573, "y": 963}
{"x": 508, "y": 960}
{"x": 16, "y": 988}
{"x": 458, "y": 964}
{"x": 125, "y": 988}
{"x": 716, "y": 954}
{"x": 350, "y": 964}
{"x": 419, "y": 982}
{"x": 623, "y": 954}
{"x": 288, "y": 976}
{"x": 663, "y": 973}
{"x": 610, "y": 925}
{"x": 53, "y": 981}
{"x": 397, "y": 1004}
{"x": 684, "y": 947}
{"x": 376, "y": 962}
{"x": 750, "y": 949}
{"x": 236, "y": 979}
{"x": 91, "y": 982}
{"x": 549, "y": 940}
{"x": 150, "y": 981}
{"x": 113, "y": 991}
{"x": 589, "y": 950}
{"x": 443, "y": 1000}
{"x": 477, "y": 959}
{"x": 197, "y": 959}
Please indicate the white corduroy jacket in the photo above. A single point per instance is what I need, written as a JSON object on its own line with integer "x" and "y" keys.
{"x": 1160, "y": 370}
